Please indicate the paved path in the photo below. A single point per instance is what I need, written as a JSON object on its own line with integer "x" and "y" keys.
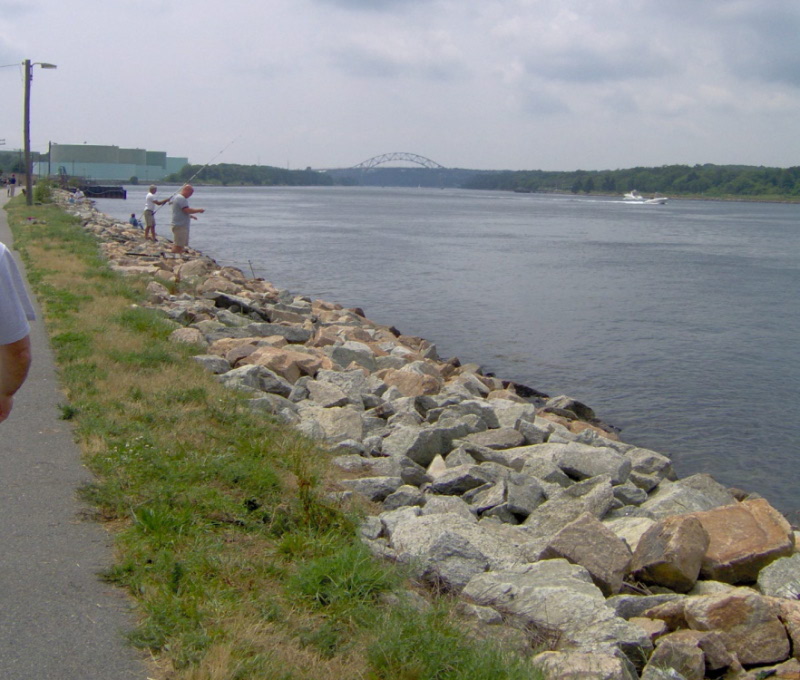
{"x": 58, "y": 621}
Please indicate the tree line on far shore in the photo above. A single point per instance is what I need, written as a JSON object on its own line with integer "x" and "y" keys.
{"x": 249, "y": 175}
{"x": 698, "y": 180}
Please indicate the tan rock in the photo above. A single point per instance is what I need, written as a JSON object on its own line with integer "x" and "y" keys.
{"x": 198, "y": 267}
{"x": 630, "y": 529}
{"x": 711, "y": 643}
{"x": 744, "y": 538}
{"x": 189, "y": 336}
{"x": 288, "y": 364}
{"x": 655, "y": 628}
{"x": 587, "y": 542}
{"x": 671, "y": 552}
{"x": 789, "y": 613}
{"x": 235, "y": 356}
{"x": 583, "y": 666}
{"x": 340, "y": 423}
{"x": 282, "y": 315}
{"x": 163, "y": 275}
{"x": 673, "y": 613}
{"x": 680, "y": 654}
{"x": 748, "y": 623}
{"x": 222, "y": 346}
{"x": 217, "y": 283}
{"x": 412, "y": 384}
{"x": 506, "y": 394}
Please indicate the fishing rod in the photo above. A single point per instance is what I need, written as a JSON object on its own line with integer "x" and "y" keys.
{"x": 189, "y": 181}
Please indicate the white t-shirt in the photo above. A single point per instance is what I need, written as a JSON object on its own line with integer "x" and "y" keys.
{"x": 150, "y": 202}
{"x": 15, "y": 305}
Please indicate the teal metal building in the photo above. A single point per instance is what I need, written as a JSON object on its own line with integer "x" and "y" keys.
{"x": 94, "y": 162}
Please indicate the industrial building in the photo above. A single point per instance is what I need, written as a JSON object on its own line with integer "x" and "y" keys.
{"x": 93, "y": 162}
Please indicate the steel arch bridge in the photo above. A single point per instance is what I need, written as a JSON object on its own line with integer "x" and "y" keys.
{"x": 398, "y": 156}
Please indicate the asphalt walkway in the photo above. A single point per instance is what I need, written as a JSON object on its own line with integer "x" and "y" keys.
{"x": 58, "y": 621}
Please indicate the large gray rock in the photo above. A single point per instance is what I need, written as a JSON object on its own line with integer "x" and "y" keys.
{"x": 581, "y": 461}
{"x": 452, "y": 560}
{"x": 594, "y": 496}
{"x": 585, "y": 666}
{"x": 500, "y": 438}
{"x": 649, "y": 468}
{"x": 633, "y": 606}
{"x": 352, "y": 352}
{"x": 404, "y": 496}
{"x": 509, "y": 413}
{"x": 587, "y": 542}
{"x": 212, "y": 363}
{"x": 523, "y": 494}
{"x": 557, "y": 597}
{"x": 516, "y": 458}
{"x": 414, "y": 538}
{"x": 673, "y": 498}
{"x": 338, "y": 423}
{"x": 565, "y": 403}
{"x": 353, "y": 383}
{"x": 440, "y": 505}
{"x": 326, "y": 395}
{"x": 781, "y": 578}
{"x": 475, "y": 407}
{"x": 458, "y": 480}
{"x": 294, "y": 334}
{"x": 670, "y": 553}
{"x": 253, "y": 377}
{"x": 630, "y": 529}
{"x": 421, "y": 445}
{"x": 710, "y": 488}
{"x": 375, "y": 488}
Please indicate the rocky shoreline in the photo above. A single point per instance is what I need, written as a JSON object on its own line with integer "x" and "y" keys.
{"x": 551, "y": 530}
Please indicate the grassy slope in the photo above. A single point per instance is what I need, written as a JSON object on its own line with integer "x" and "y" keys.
{"x": 239, "y": 567}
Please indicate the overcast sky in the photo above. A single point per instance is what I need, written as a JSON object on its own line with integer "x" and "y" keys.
{"x": 491, "y": 84}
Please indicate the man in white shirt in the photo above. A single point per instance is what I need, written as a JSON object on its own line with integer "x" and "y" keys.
{"x": 15, "y": 344}
{"x": 150, "y": 204}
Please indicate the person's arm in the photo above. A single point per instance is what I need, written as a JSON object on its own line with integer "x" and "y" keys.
{"x": 15, "y": 360}
{"x": 192, "y": 211}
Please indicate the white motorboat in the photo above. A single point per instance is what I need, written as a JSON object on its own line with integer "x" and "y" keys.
{"x": 635, "y": 197}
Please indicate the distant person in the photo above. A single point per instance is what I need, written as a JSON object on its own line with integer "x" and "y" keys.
{"x": 78, "y": 195}
{"x": 134, "y": 222}
{"x": 150, "y": 204}
{"x": 15, "y": 343}
{"x": 182, "y": 215}
{"x": 12, "y": 185}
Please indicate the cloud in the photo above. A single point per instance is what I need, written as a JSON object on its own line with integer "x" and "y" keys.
{"x": 374, "y": 5}
{"x": 766, "y": 44}
{"x": 423, "y": 57}
{"x": 593, "y": 64}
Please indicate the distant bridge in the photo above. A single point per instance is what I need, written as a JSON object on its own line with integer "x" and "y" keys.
{"x": 398, "y": 156}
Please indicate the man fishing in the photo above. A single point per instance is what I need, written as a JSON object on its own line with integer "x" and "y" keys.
{"x": 182, "y": 215}
{"x": 150, "y": 204}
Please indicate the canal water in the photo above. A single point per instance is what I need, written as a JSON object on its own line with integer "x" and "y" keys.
{"x": 680, "y": 323}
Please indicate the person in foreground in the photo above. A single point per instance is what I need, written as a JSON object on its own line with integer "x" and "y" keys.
{"x": 182, "y": 215}
{"x": 150, "y": 204}
{"x": 15, "y": 343}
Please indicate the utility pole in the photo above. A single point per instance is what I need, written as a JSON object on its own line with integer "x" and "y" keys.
{"x": 27, "y": 125}
{"x": 27, "y": 133}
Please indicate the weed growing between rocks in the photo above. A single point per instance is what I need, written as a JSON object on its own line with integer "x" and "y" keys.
{"x": 239, "y": 565}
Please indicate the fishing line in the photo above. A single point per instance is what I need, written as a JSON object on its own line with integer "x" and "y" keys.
{"x": 189, "y": 181}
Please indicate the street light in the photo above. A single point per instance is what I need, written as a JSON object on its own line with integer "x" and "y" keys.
{"x": 27, "y": 125}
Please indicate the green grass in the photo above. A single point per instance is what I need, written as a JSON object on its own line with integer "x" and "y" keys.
{"x": 239, "y": 565}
